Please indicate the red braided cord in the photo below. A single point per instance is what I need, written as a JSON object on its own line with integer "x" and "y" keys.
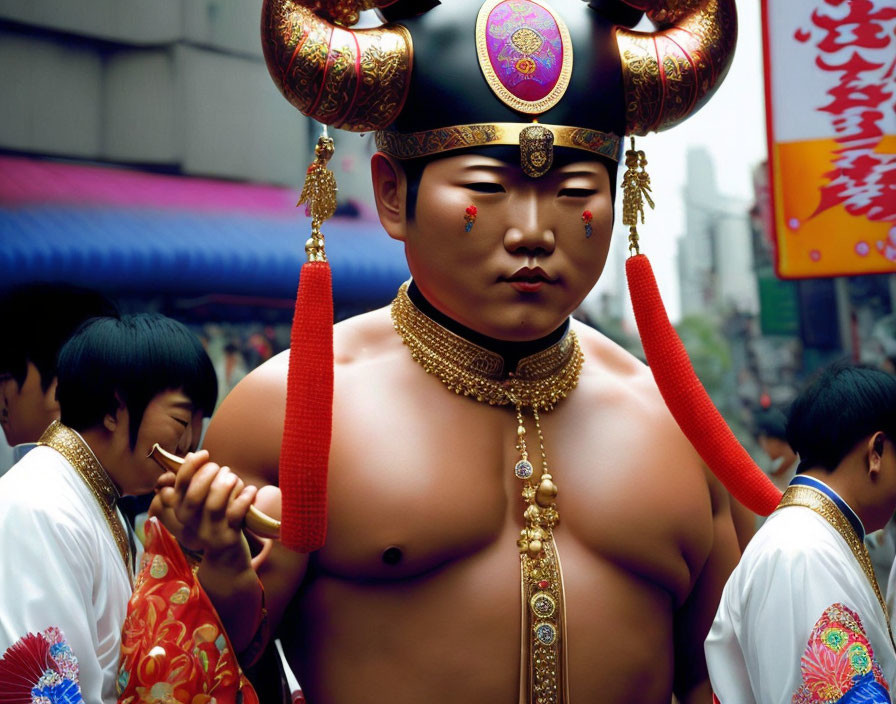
{"x": 688, "y": 401}
{"x": 305, "y": 450}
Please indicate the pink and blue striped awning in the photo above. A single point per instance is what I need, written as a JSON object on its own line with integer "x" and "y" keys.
{"x": 126, "y": 231}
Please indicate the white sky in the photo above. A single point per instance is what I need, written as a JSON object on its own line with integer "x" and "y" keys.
{"x": 731, "y": 126}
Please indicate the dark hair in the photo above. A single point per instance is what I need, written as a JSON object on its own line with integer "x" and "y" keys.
{"x": 413, "y": 168}
{"x": 39, "y": 318}
{"x": 840, "y": 407}
{"x": 132, "y": 358}
{"x": 771, "y": 423}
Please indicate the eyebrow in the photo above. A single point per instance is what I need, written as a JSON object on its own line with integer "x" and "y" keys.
{"x": 577, "y": 172}
{"x": 499, "y": 168}
{"x": 186, "y": 405}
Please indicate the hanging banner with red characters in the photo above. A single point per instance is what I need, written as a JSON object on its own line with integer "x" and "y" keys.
{"x": 830, "y": 83}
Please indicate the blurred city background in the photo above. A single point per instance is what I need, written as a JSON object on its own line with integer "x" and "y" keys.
{"x": 145, "y": 152}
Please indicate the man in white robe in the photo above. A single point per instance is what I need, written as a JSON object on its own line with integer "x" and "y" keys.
{"x": 801, "y": 618}
{"x": 68, "y": 555}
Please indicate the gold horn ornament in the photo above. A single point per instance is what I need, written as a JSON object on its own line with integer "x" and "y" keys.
{"x": 355, "y": 80}
{"x": 257, "y": 522}
{"x": 670, "y": 73}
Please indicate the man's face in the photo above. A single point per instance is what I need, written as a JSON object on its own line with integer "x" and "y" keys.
{"x": 527, "y": 263}
{"x": 26, "y": 410}
{"x": 170, "y": 420}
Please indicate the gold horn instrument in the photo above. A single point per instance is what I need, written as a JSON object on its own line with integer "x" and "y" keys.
{"x": 670, "y": 73}
{"x": 257, "y": 522}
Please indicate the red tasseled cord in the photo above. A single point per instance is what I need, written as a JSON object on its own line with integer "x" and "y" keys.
{"x": 688, "y": 401}
{"x": 305, "y": 450}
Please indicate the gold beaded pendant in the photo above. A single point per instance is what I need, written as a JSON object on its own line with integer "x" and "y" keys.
{"x": 540, "y": 382}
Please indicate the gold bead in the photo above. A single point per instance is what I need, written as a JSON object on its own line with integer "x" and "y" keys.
{"x": 521, "y": 430}
{"x": 546, "y": 492}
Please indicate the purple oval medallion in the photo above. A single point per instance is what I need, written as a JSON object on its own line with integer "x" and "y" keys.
{"x": 527, "y": 51}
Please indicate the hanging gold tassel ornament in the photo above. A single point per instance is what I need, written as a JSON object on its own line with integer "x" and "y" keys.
{"x": 319, "y": 196}
{"x": 635, "y": 190}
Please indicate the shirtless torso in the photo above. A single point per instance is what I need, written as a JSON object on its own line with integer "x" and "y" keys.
{"x": 415, "y": 596}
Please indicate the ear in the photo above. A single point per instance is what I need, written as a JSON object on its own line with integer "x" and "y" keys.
{"x": 112, "y": 420}
{"x": 390, "y": 188}
{"x": 875, "y": 452}
{"x": 50, "y": 402}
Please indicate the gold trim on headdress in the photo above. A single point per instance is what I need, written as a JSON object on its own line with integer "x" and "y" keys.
{"x": 530, "y": 38}
{"x": 443, "y": 139}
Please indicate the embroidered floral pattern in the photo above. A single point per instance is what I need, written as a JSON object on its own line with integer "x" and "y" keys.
{"x": 838, "y": 664}
{"x": 174, "y": 648}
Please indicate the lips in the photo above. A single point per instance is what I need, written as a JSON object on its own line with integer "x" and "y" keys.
{"x": 529, "y": 280}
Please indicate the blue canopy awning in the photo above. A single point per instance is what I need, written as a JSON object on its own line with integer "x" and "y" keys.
{"x": 144, "y": 251}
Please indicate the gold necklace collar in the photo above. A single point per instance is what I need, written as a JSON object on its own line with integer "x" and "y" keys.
{"x": 540, "y": 381}
{"x": 78, "y": 454}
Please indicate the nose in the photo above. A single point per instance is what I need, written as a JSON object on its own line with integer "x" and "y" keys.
{"x": 185, "y": 443}
{"x": 528, "y": 232}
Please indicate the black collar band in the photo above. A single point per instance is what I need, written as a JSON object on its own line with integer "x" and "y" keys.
{"x": 511, "y": 352}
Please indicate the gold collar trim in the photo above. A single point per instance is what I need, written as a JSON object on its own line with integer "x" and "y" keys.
{"x": 816, "y": 501}
{"x": 540, "y": 381}
{"x": 78, "y": 454}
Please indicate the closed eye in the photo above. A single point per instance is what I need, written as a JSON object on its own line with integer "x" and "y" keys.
{"x": 485, "y": 187}
{"x": 576, "y": 192}
{"x": 182, "y": 422}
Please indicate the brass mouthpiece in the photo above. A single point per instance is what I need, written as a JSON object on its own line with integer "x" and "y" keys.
{"x": 257, "y": 522}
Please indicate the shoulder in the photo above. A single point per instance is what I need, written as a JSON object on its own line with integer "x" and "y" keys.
{"x": 246, "y": 430}
{"x": 621, "y": 379}
{"x": 366, "y": 338}
{"x": 41, "y": 494}
{"x": 794, "y": 543}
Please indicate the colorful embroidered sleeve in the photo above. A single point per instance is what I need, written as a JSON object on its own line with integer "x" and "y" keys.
{"x": 838, "y": 664}
{"x": 798, "y": 626}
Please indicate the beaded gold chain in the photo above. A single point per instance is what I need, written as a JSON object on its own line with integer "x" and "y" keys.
{"x": 540, "y": 382}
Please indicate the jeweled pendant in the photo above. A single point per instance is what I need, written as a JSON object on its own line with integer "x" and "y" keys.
{"x": 523, "y": 469}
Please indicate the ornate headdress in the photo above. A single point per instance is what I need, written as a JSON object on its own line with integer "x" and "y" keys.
{"x": 537, "y": 74}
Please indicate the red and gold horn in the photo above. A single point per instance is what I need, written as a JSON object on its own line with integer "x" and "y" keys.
{"x": 668, "y": 75}
{"x": 355, "y": 80}
{"x": 671, "y": 73}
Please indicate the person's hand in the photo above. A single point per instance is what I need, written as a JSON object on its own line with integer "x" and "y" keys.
{"x": 204, "y": 506}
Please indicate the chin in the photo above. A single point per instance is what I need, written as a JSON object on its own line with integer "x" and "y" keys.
{"x": 525, "y": 331}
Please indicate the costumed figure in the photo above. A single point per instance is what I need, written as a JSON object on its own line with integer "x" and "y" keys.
{"x": 802, "y": 619}
{"x": 475, "y": 436}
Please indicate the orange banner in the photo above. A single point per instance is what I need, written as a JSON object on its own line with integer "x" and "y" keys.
{"x": 831, "y": 111}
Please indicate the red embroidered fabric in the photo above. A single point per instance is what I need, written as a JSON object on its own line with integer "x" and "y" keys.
{"x": 174, "y": 647}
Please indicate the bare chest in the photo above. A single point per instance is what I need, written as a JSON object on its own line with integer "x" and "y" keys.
{"x": 421, "y": 478}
